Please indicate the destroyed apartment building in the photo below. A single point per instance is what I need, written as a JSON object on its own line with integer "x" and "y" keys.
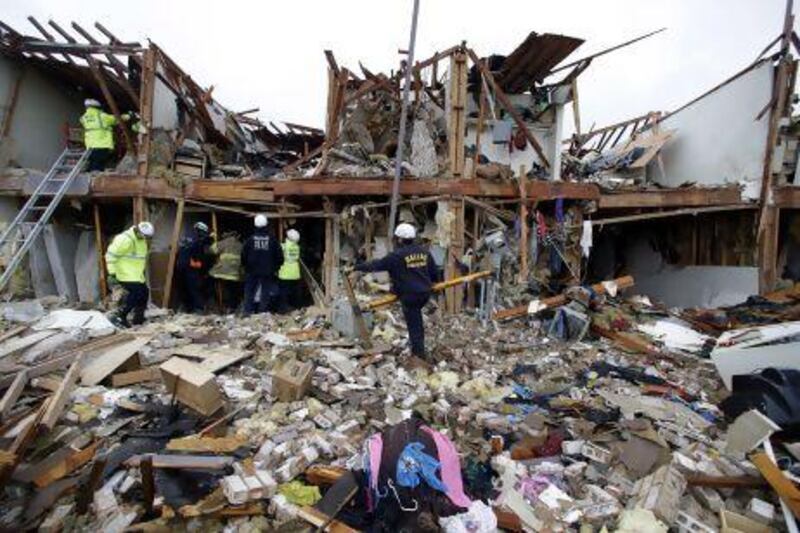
{"x": 613, "y": 347}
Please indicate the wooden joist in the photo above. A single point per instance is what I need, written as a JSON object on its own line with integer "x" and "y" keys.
{"x": 560, "y": 299}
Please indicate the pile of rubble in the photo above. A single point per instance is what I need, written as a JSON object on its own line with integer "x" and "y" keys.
{"x": 593, "y": 412}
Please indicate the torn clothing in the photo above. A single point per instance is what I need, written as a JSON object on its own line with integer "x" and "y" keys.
{"x": 411, "y": 269}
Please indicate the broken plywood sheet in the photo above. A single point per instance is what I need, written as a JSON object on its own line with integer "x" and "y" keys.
{"x": 212, "y": 360}
{"x": 104, "y": 363}
{"x": 744, "y": 351}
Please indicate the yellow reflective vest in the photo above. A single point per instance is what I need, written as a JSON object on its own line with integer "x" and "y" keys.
{"x": 126, "y": 257}
{"x": 290, "y": 269}
{"x": 98, "y": 128}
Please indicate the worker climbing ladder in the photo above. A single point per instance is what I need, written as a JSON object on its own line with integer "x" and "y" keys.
{"x": 31, "y": 219}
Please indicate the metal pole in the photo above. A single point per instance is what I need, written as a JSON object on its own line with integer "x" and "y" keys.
{"x": 403, "y": 119}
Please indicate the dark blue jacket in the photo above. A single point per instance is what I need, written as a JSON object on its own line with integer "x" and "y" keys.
{"x": 411, "y": 269}
{"x": 194, "y": 253}
{"x": 262, "y": 254}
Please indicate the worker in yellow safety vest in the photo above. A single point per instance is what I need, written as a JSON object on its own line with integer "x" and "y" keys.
{"x": 126, "y": 260}
{"x": 289, "y": 273}
{"x": 98, "y": 134}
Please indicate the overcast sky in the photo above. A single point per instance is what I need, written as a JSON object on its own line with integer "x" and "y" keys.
{"x": 268, "y": 54}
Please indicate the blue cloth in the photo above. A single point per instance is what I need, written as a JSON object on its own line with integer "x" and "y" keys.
{"x": 414, "y": 464}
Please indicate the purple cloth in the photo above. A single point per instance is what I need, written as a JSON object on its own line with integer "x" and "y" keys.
{"x": 450, "y": 468}
{"x": 375, "y": 450}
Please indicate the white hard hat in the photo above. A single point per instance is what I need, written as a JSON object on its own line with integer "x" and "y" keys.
{"x": 146, "y": 229}
{"x": 405, "y": 231}
{"x": 293, "y": 235}
{"x": 201, "y": 226}
{"x": 261, "y": 221}
{"x": 91, "y": 102}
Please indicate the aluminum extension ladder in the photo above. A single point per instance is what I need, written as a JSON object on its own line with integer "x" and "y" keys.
{"x": 39, "y": 208}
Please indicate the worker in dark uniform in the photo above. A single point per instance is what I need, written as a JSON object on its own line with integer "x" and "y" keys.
{"x": 412, "y": 272}
{"x": 194, "y": 261}
{"x": 261, "y": 258}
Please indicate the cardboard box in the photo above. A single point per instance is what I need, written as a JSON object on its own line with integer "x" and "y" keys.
{"x": 291, "y": 380}
{"x": 196, "y": 387}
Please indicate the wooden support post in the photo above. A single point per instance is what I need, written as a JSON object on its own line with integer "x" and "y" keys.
{"x": 11, "y": 105}
{"x": 101, "y": 247}
{"x": 479, "y": 130}
{"x": 330, "y": 258}
{"x": 767, "y": 236}
{"x": 576, "y": 110}
{"x": 86, "y": 491}
{"x": 173, "y": 253}
{"x": 523, "y": 219}
{"x": 148, "y": 485}
{"x": 217, "y": 282}
{"x": 509, "y": 107}
{"x": 458, "y": 103}
{"x": 454, "y": 296}
{"x": 146, "y": 96}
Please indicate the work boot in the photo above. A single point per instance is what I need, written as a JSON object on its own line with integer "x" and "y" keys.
{"x": 120, "y": 321}
{"x": 138, "y": 318}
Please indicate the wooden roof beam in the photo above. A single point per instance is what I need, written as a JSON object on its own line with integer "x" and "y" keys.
{"x": 120, "y": 68}
{"x": 47, "y": 35}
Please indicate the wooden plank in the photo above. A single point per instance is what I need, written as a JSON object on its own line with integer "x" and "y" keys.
{"x": 13, "y": 332}
{"x": 101, "y": 256}
{"x": 173, "y": 253}
{"x": 212, "y": 360}
{"x": 18, "y": 344}
{"x": 672, "y": 198}
{"x": 787, "y": 490}
{"x": 322, "y": 521}
{"x": 558, "y": 300}
{"x": 123, "y": 379}
{"x": 383, "y": 301}
{"x": 148, "y": 484}
{"x": 86, "y": 491}
{"x": 146, "y": 96}
{"x": 457, "y": 123}
{"x": 61, "y": 464}
{"x": 60, "y": 397}
{"x": 195, "y": 444}
{"x": 179, "y": 462}
{"x": 509, "y": 107}
{"x": 13, "y": 393}
{"x": 106, "y": 362}
{"x": 726, "y": 482}
{"x": 523, "y": 217}
{"x": 627, "y": 341}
